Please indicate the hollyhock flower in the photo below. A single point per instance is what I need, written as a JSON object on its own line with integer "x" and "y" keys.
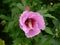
{"x": 31, "y": 23}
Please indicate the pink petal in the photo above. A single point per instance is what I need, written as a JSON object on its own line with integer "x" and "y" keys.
{"x": 33, "y": 32}
{"x": 40, "y": 24}
{"x": 25, "y": 29}
{"x": 22, "y": 20}
{"x": 39, "y": 19}
{"x": 23, "y": 17}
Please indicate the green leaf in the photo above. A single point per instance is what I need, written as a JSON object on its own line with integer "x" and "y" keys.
{"x": 9, "y": 26}
{"x": 45, "y": 40}
{"x": 56, "y": 22}
{"x": 48, "y": 30}
{"x": 57, "y": 26}
{"x": 5, "y": 17}
{"x": 7, "y": 1}
{"x": 56, "y": 6}
{"x": 50, "y": 16}
{"x": 2, "y": 42}
{"x": 3, "y": 22}
{"x": 42, "y": 11}
{"x": 24, "y": 2}
{"x": 20, "y": 6}
{"x": 15, "y": 13}
{"x": 17, "y": 42}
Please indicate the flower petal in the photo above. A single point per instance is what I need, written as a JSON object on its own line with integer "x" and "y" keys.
{"x": 22, "y": 20}
{"x": 33, "y": 32}
{"x": 25, "y": 29}
{"x": 23, "y": 17}
{"x": 38, "y": 24}
{"x": 39, "y": 19}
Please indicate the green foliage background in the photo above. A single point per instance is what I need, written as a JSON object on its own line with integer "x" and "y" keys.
{"x": 10, "y": 31}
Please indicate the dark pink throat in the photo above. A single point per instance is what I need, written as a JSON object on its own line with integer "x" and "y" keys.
{"x": 29, "y": 22}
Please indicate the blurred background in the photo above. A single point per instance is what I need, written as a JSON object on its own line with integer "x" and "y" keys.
{"x": 10, "y": 32}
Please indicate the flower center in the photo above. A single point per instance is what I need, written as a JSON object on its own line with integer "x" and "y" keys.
{"x": 29, "y": 22}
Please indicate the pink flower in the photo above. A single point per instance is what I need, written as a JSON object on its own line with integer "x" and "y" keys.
{"x": 31, "y": 23}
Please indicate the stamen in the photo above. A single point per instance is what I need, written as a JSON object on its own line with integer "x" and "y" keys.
{"x": 30, "y": 24}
